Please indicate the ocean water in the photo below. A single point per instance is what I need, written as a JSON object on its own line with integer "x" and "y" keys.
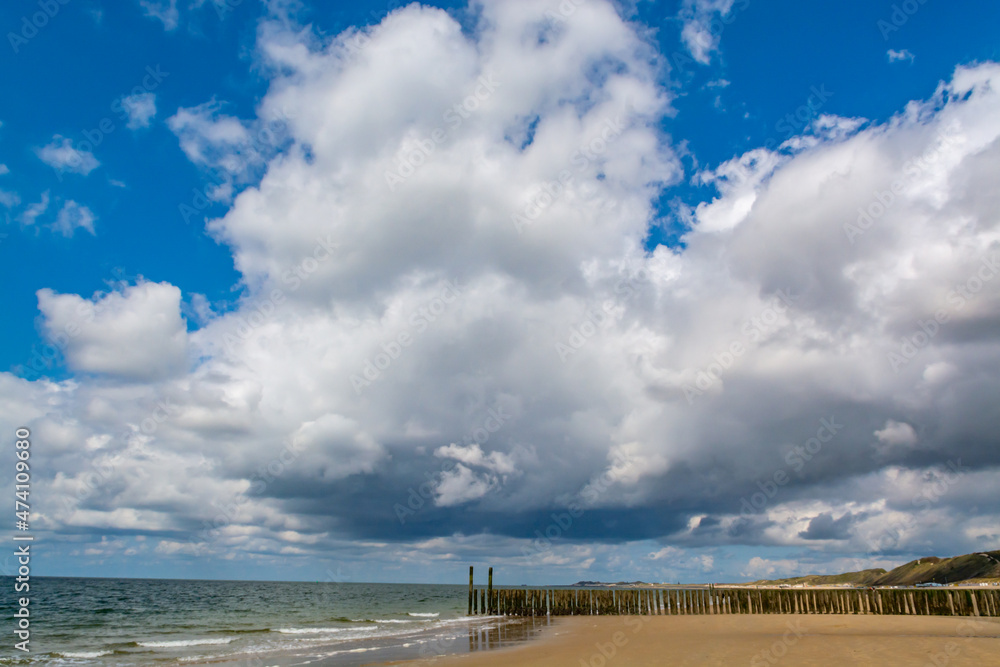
{"x": 119, "y": 622}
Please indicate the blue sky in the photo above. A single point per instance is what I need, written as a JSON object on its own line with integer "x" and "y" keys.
{"x": 128, "y": 131}
{"x": 207, "y": 57}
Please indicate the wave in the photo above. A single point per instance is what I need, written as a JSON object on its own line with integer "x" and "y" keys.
{"x": 83, "y": 654}
{"x": 306, "y": 631}
{"x": 422, "y": 615}
{"x": 185, "y": 642}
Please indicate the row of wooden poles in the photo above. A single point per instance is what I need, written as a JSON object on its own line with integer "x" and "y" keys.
{"x": 716, "y": 600}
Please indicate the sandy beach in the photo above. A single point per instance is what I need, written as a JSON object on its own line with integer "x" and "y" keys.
{"x": 750, "y": 640}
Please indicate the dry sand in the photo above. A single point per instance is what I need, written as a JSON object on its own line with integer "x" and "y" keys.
{"x": 587, "y": 641}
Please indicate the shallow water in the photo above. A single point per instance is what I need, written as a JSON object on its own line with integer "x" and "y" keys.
{"x": 119, "y": 622}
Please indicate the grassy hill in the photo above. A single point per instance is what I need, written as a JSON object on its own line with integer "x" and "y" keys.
{"x": 864, "y": 577}
{"x": 981, "y": 565}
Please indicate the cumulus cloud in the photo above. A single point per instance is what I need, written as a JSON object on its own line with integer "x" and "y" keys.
{"x": 703, "y": 22}
{"x": 32, "y": 212}
{"x": 164, "y": 11}
{"x": 61, "y": 155}
{"x": 827, "y": 292}
{"x": 73, "y": 216}
{"x": 473, "y": 455}
{"x": 761, "y": 568}
{"x": 897, "y": 56}
{"x": 233, "y": 150}
{"x": 136, "y": 334}
{"x": 9, "y": 198}
{"x": 895, "y": 433}
{"x": 461, "y": 485}
{"x": 337, "y": 446}
{"x": 140, "y": 108}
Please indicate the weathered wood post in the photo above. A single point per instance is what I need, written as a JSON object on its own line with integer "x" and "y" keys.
{"x": 470, "y": 592}
{"x": 489, "y": 594}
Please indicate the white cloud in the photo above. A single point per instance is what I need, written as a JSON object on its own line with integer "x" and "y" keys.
{"x": 73, "y": 216}
{"x": 141, "y": 108}
{"x": 344, "y": 276}
{"x": 135, "y": 334}
{"x": 473, "y": 455}
{"x": 9, "y": 198}
{"x": 33, "y": 211}
{"x": 739, "y": 181}
{"x": 703, "y": 24}
{"x": 61, "y": 155}
{"x": 666, "y": 552}
{"x": 461, "y": 485}
{"x": 235, "y": 150}
{"x": 335, "y": 447}
{"x": 896, "y": 56}
{"x": 164, "y": 11}
{"x": 4, "y": 169}
{"x": 897, "y": 433}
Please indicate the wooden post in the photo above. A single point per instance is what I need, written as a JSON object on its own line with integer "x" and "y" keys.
{"x": 470, "y": 591}
{"x": 489, "y": 594}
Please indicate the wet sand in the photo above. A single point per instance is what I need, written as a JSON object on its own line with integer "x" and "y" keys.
{"x": 763, "y": 640}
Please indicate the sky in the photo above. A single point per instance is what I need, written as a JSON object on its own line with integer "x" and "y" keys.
{"x": 694, "y": 291}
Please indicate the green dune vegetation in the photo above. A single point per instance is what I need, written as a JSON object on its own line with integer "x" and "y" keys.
{"x": 970, "y": 568}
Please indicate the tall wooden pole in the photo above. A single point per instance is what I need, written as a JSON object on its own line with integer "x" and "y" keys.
{"x": 489, "y": 594}
{"x": 470, "y": 591}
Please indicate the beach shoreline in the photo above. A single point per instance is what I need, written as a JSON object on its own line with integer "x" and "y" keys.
{"x": 756, "y": 640}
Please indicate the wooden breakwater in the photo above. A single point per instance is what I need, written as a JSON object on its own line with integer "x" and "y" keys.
{"x": 730, "y": 600}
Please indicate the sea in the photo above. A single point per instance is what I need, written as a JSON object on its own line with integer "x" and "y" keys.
{"x": 142, "y": 622}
